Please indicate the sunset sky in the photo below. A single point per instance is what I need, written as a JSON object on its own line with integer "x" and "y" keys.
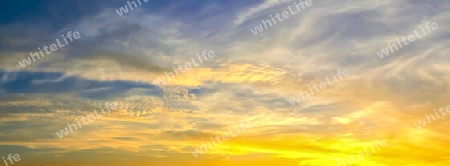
{"x": 251, "y": 78}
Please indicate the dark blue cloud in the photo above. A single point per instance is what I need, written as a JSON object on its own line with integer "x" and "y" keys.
{"x": 47, "y": 82}
{"x": 60, "y": 13}
{"x": 57, "y": 13}
{"x": 58, "y": 83}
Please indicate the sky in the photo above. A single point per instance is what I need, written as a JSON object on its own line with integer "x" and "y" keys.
{"x": 250, "y": 78}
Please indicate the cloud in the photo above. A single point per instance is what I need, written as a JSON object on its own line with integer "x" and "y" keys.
{"x": 250, "y": 79}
